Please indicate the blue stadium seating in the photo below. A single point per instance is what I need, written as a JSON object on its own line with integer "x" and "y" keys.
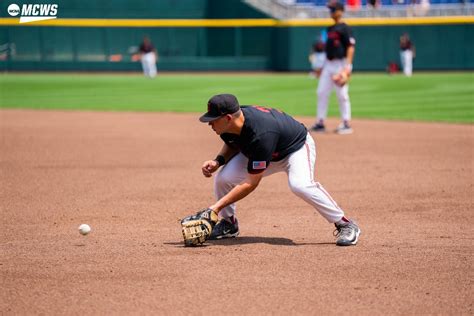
{"x": 319, "y": 3}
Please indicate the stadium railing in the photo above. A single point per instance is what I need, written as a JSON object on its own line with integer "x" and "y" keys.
{"x": 307, "y": 9}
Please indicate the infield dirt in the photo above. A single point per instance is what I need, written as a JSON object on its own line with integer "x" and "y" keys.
{"x": 132, "y": 175}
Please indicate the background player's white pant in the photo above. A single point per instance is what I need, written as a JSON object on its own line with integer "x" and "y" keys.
{"x": 149, "y": 64}
{"x": 326, "y": 85}
{"x": 406, "y": 57}
{"x": 299, "y": 166}
{"x": 317, "y": 60}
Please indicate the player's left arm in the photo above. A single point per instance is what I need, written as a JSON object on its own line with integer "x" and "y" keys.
{"x": 349, "y": 42}
{"x": 349, "y": 58}
{"x": 345, "y": 73}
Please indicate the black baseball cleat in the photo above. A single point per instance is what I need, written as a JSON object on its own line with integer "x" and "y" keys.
{"x": 319, "y": 128}
{"x": 225, "y": 229}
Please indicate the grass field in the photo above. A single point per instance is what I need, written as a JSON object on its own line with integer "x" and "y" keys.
{"x": 446, "y": 97}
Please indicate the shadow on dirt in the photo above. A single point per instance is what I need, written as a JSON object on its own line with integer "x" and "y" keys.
{"x": 243, "y": 240}
{"x": 277, "y": 241}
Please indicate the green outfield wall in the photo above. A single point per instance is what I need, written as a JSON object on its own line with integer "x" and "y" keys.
{"x": 205, "y": 35}
{"x": 438, "y": 47}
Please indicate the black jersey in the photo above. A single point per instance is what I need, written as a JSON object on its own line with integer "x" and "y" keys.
{"x": 405, "y": 45}
{"x": 146, "y": 48}
{"x": 338, "y": 41}
{"x": 267, "y": 135}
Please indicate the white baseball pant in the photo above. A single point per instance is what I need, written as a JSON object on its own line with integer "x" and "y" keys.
{"x": 299, "y": 166}
{"x": 406, "y": 57}
{"x": 326, "y": 85}
{"x": 149, "y": 64}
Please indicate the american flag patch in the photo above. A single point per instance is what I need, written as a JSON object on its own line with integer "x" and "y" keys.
{"x": 256, "y": 165}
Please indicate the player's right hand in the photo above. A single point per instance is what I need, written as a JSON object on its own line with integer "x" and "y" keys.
{"x": 209, "y": 167}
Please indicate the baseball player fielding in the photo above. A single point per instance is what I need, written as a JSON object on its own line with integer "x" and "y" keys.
{"x": 258, "y": 142}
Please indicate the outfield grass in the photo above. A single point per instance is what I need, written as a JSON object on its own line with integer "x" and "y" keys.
{"x": 447, "y": 97}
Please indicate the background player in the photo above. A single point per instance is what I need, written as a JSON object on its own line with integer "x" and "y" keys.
{"x": 258, "y": 142}
{"x": 406, "y": 54}
{"x": 336, "y": 71}
{"x": 317, "y": 58}
{"x": 149, "y": 57}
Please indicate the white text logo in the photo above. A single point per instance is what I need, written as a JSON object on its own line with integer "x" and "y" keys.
{"x": 34, "y": 12}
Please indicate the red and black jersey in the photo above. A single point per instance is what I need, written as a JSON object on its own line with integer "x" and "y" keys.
{"x": 405, "y": 45}
{"x": 146, "y": 48}
{"x": 339, "y": 39}
{"x": 267, "y": 135}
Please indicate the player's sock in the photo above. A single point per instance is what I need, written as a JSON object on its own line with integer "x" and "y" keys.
{"x": 342, "y": 221}
{"x": 231, "y": 219}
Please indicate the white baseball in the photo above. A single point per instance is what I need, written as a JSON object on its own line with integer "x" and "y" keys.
{"x": 84, "y": 229}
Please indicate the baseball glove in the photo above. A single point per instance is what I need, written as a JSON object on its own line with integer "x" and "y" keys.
{"x": 341, "y": 78}
{"x": 197, "y": 228}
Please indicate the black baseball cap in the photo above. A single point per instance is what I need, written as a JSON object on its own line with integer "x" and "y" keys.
{"x": 336, "y": 6}
{"x": 220, "y": 105}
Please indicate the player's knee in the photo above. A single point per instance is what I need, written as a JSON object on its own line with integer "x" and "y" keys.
{"x": 323, "y": 95}
{"x": 343, "y": 98}
{"x": 299, "y": 189}
{"x": 223, "y": 179}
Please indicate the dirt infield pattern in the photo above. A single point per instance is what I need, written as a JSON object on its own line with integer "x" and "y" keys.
{"x": 132, "y": 175}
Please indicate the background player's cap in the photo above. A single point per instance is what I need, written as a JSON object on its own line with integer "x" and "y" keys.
{"x": 220, "y": 105}
{"x": 336, "y": 6}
